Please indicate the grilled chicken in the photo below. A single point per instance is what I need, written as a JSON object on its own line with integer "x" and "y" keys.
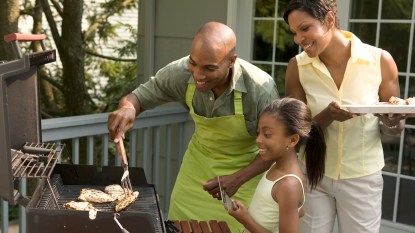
{"x": 82, "y": 205}
{"x": 126, "y": 201}
{"x": 115, "y": 190}
{"x": 78, "y": 205}
{"x": 95, "y": 196}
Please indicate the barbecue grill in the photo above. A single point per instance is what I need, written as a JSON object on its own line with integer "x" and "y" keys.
{"x": 24, "y": 155}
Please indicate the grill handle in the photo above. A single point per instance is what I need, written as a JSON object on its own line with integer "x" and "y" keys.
{"x": 36, "y": 150}
{"x": 13, "y": 38}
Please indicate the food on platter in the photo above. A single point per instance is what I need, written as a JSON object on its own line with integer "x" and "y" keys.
{"x": 410, "y": 101}
{"x": 398, "y": 101}
{"x": 95, "y": 196}
{"x": 126, "y": 201}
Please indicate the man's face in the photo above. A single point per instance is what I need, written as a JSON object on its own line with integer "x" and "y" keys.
{"x": 210, "y": 66}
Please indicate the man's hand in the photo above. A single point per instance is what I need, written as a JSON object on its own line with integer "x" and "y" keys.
{"x": 229, "y": 183}
{"x": 123, "y": 118}
{"x": 119, "y": 122}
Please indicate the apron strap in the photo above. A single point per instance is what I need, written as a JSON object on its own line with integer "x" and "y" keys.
{"x": 190, "y": 92}
{"x": 237, "y": 95}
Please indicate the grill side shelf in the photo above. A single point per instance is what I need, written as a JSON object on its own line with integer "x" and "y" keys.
{"x": 35, "y": 160}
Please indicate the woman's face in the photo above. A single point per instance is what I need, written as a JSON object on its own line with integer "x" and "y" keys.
{"x": 311, "y": 34}
{"x": 271, "y": 140}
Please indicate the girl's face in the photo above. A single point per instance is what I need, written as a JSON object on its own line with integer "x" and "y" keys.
{"x": 311, "y": 34}
{"x": 271, "y": 140}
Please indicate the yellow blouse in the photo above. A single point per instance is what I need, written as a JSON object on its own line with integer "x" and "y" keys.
{"x": 354, "y": 148}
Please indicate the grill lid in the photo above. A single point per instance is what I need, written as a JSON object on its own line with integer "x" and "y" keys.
{"x": 19, "y": 113}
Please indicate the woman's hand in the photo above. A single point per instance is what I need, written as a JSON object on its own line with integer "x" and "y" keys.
{"x": 393, "y": 124}
{"x": 391, "y": 120}
{"x": 332, "y": 112}
{"x": 337, "y": 114}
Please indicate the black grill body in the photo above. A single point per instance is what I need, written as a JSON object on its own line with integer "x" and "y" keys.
{"x": 143, "y": 216}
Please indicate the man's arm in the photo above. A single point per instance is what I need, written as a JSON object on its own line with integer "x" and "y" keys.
{"x": 256, "y": 167}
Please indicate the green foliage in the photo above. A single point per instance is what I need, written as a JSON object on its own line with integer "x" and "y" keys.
{"x": 265, "y": 8}
{"x": 110, "y": 77}
{"x": 121, "y": 80}
{"x": 13, "y": 212}
{"x": 110, "y": 60}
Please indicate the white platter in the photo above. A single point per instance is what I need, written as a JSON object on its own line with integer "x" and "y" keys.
{"x": 380, "y": 108}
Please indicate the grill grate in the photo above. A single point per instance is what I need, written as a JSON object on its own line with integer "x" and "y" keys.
{"x": 35, "y": 160}
{"x": 146, "y": 202}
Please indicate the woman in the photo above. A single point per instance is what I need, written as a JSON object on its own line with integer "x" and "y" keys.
{"x": 334, "y": 69}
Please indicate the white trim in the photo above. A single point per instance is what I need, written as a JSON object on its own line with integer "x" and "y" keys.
{"x": 240, "y": 15}
{"x": 398, "y": 227}
{"x": 149, "y": 37}
{"x": 232, "y": 14}
{"x": 343, "y": 13}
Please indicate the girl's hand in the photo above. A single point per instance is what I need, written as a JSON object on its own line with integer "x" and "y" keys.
{"x": 239, "y": 212}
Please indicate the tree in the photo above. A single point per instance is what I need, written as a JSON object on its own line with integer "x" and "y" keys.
{"x": 9, "y": 16}
{"x": 69, "y": 88}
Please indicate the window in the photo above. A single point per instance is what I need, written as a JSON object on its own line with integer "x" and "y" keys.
{"x": 389, "y": 24}
{"x": 273, "y": 43}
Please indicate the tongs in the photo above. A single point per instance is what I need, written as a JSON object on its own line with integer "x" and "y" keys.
{"x": 125, "y": 179}
{"x": 226, "y": 200}
{"x": 123, "y": 230}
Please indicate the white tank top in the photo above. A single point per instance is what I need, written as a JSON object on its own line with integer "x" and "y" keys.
{"x": 263, "y": 208}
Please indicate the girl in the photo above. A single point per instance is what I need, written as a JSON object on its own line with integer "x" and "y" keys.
{"x": 283, "y": 127}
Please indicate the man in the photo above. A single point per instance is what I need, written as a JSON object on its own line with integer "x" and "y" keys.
{"x": 224, "y": 95}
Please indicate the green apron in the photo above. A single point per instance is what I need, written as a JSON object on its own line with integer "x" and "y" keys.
{"x": 219, "y": 146}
